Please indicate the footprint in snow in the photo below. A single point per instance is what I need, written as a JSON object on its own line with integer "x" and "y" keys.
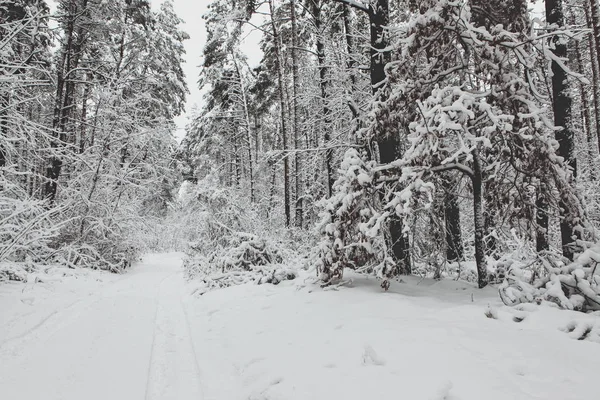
{"x": 583, "y": 330}
{"x": 370, "y": 357}
{"x": 443, "y": 393}
{"x": 276, "y": 381}
{"x": 28, "y": 300}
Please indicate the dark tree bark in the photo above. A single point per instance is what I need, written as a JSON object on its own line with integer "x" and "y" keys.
{"x": 454, "y": 246}
{"x": 477, "y": 179}
{"x": 584, "y": 95}
{"x": 541, "y": 219}
{"x": 594, "y": 21}
{"x": 593, "y": 46}
{"x": 295, "y": 119}
{"x": 379, "y": 19}
{"x": 561, "y": 106}
{"x": 323, "y": 82}
{"x": 349, "y": 46}
{"x": 513, "y": 15}
{"x": 388, "y": 140}
{"x": 75, "y": 36}
{"x": 286, "y": 165}
{"x": 4, "y": 104}
{"x": 84, "y": 108}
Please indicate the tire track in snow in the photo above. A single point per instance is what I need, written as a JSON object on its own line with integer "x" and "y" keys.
{"x": 192, "y": 346}
{"x": 99, "y": 348}
{"x": 173, "y": 371}
{"x": 151, "y": 358}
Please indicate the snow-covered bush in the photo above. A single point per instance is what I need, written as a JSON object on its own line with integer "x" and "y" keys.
{"x": 242, "y": 251}
{"x": 241, "y": 258}
{"x": 229, "y": 242}
{"x": 570, "y": 285}
{"x": 101, "y": 233}
{"x": 27, "y": 228}
{"x": 12, "y": 272}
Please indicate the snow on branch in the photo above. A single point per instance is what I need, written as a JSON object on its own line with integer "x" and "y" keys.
{"x": 355, "y": 4}
{"x": 574, "y": 286}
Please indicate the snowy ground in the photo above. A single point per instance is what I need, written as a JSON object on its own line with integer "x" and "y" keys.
{"x": 91, "y": 335}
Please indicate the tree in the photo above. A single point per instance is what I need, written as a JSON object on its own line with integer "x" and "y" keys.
{"x": 388, "y": 140}
{"x": 83, "y": 150}
{"x": 465, "y": 88}
{"x": 561, "y": 105}
{"x": 593, "y": 20}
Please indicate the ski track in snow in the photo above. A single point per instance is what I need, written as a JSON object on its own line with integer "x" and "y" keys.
{"x": 130, "y": 340}
{"x": 173, "y": 371}
{"x": 141, "y": 336}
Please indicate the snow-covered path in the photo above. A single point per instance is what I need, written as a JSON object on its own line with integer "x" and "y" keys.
{"x": 129, "y": 340}
{"x": 94, "y": 336}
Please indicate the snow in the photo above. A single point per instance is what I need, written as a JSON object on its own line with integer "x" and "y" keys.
{"x": 423, "y": 341}
{"x": 24, "y": 306}
{"x": 127, "y": 339}
{"x": 92, "y": 335}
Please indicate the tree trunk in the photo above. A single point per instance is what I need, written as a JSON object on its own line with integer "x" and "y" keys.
{"x": 65, "y": 94}
{"x": 286, "y": 166}
{"x": 83, "y": 128}
{"x": 388, "y": 141}
{"x": 541, "y": 219}
{"x": 237, "y": 162}
{"x": 379, "y": 19}
{"x": 387, "y": 137}
{"x": 594, "y": 57}
{"x": 594, "y": 21}
{"x": 454, "y": 246}
{"x": 477, "y": 179}
{"x": 4, "y": 103}
{"x": 295, "y": 123}
{"x": 247, "y": 129}
{"x": 586, "y": 117}
{"x": 316, "y": 11}
{"x": 561, "y": 105}
{"x": 349, "y": 48}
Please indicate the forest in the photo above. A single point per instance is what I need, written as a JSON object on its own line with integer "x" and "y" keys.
{"x": 88, "y": 96}
{"x": 445, "y": 139}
